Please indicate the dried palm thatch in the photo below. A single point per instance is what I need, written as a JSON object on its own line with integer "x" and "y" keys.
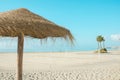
{"x": 20, "y": 22}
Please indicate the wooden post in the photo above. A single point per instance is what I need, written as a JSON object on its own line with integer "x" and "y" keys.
{"x": 20, "y": 56}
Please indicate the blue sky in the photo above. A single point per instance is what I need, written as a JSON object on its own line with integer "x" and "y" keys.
{"x": 84, "y": 18}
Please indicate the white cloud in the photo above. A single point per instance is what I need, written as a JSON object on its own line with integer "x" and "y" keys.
{"x": 115, "y": 37}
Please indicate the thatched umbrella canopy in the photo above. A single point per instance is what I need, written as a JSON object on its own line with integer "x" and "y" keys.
{"x": 20, "y": 22}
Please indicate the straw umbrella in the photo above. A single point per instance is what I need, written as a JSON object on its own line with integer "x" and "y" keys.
{"x": 22, "y": 22}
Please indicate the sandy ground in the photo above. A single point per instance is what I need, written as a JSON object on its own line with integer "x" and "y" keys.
{"x": 62, "y": 66}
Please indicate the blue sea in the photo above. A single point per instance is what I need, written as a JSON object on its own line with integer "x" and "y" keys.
{"x": 49, "y": 50}
{"x": 35, "y": 45}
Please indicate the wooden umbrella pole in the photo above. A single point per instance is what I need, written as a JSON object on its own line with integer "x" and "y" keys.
{"x": 20, "y": 55}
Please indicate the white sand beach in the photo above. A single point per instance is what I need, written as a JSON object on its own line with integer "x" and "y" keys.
{"x": 62, "y": 66}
